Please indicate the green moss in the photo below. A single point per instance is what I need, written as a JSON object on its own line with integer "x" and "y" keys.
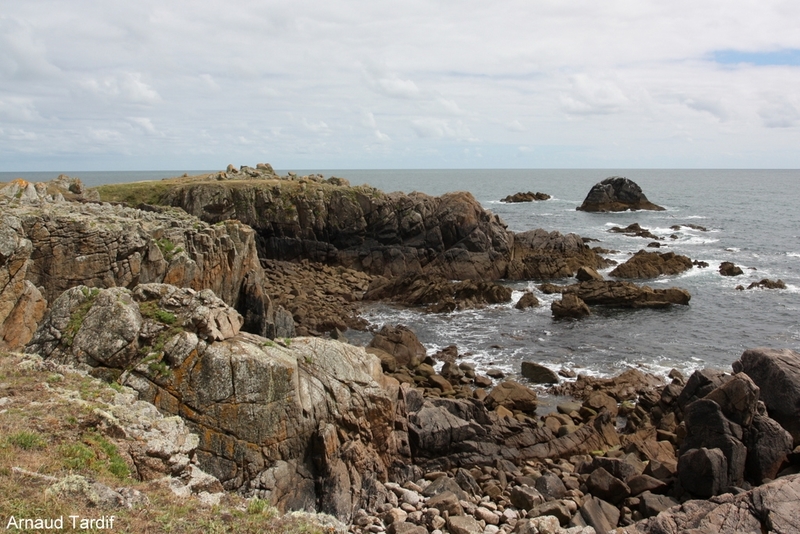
{"x": 151, "y": 310}
{"x": 78, "y": 316}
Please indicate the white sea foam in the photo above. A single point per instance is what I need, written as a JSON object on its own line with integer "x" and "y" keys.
{"x": 793, "y": 254}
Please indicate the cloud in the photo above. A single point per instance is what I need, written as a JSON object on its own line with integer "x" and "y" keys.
{"x": 413, "y": 80}
{"x": 779, "y": 113}
{"x": 390, "y": 84}
{"x": 588, "y": 96}
{"x": 712, "y": 106}
{"x": 23, "y": 54}
{"x": 438, "y": 128}
{"x": 126, "y": 86}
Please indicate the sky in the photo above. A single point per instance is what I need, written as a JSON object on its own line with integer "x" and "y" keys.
{"x": 311, "y": 84}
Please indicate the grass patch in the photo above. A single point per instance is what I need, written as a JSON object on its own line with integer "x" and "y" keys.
{"x": 135, "y": 193}
{"x": 27, "y": 440}
{"x": 168, "y": 248}
{"x": 151, "y": 310}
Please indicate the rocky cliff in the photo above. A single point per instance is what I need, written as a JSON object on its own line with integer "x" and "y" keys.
{"x": 385, "y": 234}
{"x": 48, "y": 245}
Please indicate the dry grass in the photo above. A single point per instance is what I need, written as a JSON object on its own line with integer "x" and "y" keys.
{"x": 43, "y": 433}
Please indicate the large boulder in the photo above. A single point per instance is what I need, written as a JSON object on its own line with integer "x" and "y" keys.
{"x": 400, "y": 342}
{"x": 645, "y": 264}
{"x": 768, "y": 508}
{"x": 306, "y": 423}
{"x": 569, "y": 307}
{"x": 777, "y": 373}
{"x": 616, "y": 194}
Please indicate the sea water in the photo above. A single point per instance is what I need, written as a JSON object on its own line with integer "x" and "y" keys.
{"x": 752, "y": 220}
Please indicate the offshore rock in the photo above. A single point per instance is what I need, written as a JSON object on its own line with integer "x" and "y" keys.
{"x": 626, "y": 294}
{"x": 307, "y": 425}
{"x": 569, "y": 307}
{"x": 645, "y": 264}
{"x": 727, "y": 268}
{"x": 58, "y": 245}
{"x": 530, "y": 196}
{"x": 617, "y": 194}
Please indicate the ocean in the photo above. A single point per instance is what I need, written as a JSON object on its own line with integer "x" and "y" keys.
{"x": 752, "y": 219}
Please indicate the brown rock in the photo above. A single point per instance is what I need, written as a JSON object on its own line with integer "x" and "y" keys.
{"x": 512, "y": 395}
{"x": 401, "y": 343}
{"x": 727, "y": 268}
{"x": 645, "y": 264}
{"x": 527, "y": 300}
{"x": 616, "y": 194}
{"x": 570, "y": 307}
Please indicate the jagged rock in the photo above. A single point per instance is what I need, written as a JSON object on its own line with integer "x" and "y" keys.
{"x": 768, "y": 508}
{"x": 727, "y": 268}
{"x": 616, "y": 194}
{"x": 260, "y": 409}
{"x": 645, "y": 483}
{"x": 651, "y": 505}
{"x": 605, "y": 486}
{"x": 708, "y": 428}
{"x": 627, "y": 295}
{"x": 704, "y": 472}
{"x": 598, "y": 514}
{"x": 766, "y": 283}
{"x": 768, "y": 446}
{"x": 100, "y": 245}
{"x": 645, "y": 264}
{"x": 401, "y": 343}
{"x": 570, "y": 306}
{"x": 527, "y": 300}
{"x": 525, "y": 498}
{"x": 543, "y": 255}
{"x": 414, "y": 289}
{"x": 634, "y": 230}
{"x": 526, "y": 197}
{"x": 550, "y": 486}
{"x": 538, "y": 374}
{"x": 701, "y": 383}
{"x": 737, "y": 398}
{"x": 585, "y": 274}
{"x": 625, "y": 386}
{"x": 22, "y": 306}
{"x": 777, "y": 373}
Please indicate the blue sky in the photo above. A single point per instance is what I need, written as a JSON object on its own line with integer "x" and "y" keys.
{"x": 142, "y": 85}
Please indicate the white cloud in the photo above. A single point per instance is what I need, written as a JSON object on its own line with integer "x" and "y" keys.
{"x": 182, "y": 78}
{"x": 779, "y": 113}
{"x": 590, "y": 96}
{"x": 126, "y": 86}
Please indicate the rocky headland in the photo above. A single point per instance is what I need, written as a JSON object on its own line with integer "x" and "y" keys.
{"x": 195, "y": 315}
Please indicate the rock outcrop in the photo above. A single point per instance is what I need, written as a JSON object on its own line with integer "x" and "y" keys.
{"x": 617, "y": 194}
{"x": 777, "y": 373}
{"x": 58, "y": 245}
{"x": 624, "y": 295}
{"x": 383, "y": 234}
{"x": 274, "y": 420}
{"x": 530, "y": 196}
{"x": 645, "y": 264}
{"x": 768, "y": 508}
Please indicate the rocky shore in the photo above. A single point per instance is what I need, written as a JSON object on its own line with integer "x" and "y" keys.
{"x": 211, "y": 321}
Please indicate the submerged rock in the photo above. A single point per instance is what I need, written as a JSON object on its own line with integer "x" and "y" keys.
{"x": 617, "y": 194}
{"x": 526, "y": 197}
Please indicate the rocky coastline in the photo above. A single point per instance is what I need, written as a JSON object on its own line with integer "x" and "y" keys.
{"x": 226, "y": 302}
